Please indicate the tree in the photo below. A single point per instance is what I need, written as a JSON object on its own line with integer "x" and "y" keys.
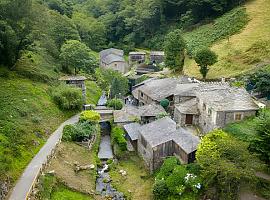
{"x": 165, "y": 103}
{"x": 226, "y": 163}
{"x": 260, "y": 143}
{"x": 119, "y": 87}
{"x": 260, "y": 82}
{"x": 174, "y": 46}
{"x": 205, "y": 58}
{"x": 76, "y": 55}
{"x": 116, "y": 104}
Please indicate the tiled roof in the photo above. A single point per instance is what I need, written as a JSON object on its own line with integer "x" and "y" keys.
{"x": 132, "y": 130}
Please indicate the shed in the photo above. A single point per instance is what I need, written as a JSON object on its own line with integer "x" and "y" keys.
{"x": 157, "y": 56}
{"x": 132, "y": 133}
{"x": 138, "y": 57}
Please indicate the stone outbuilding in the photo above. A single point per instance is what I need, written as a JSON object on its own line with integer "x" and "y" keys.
{"x": 161, "y": 138}
{"x": 132, "y": 133}
{"x": 157, "y": 57}
{"x": 137, "y": 57}
{"x": 213, "y": 105}
{"x": 76, "y": 81}
{"x": 113, "y": 59}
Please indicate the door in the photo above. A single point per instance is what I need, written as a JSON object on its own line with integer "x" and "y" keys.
{"x": 189, "y": 119}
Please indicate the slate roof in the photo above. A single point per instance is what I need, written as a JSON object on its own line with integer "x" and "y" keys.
{"x": 185, "y": 140}
{"x": 157, "y": 53}
{"x": 72, "y": 78}
{"x": 188, "y": 107}
{"x": 114, "y": 51}
{"x": 159, "y": 89}
{"x": 137, "y": 53}
{"x": 112, "y": 58}
{"x": 223, "y": 97}
{"x": 130, "y": 113}
{"x": 133, "y": 130}
{"x": 159, "y": 131}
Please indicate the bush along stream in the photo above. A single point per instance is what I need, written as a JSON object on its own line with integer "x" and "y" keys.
{"x": 103, "y": 182}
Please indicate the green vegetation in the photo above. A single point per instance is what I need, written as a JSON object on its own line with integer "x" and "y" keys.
{"x": 259, "y": 81}
{"x": 93, "y": 92}
{"x": 90, "y": 116}
{"x": 137, "y": 184}
{"x": 78, "y": 132}
{"x": 226, "y": 164}
{"x": 67, "y": 98}
{"x": 175, "y": 181}
{"x": 116, "y": 104}
{"x": 205, "y": 58}
{"x": 76, "y": 55}
{"x": 174, "y": 47}
{"x": 118, "y": 137}
{"x": 119, "y": 87}
{"x": 165, "y": 103}
{"x": 54, "y": 190}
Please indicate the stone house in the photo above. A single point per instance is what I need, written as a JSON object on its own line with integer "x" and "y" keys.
{"x": 138, "y": 57}
{"x": 161, "y": 138}
{"x": 113, "y": 59}
{"x": 213, "y": 105}
{"x": 157, "y": 57}
{"x": 143, "y": 114}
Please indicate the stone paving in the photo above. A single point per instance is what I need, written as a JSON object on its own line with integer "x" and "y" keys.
{"x": 105, "y": 148}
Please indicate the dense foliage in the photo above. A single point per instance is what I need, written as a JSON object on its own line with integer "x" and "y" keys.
{"x": 175, "y": 181}
{"x": 259, "y": 81}
{"x": 116, "y": 104}
{"x": 76, "y": 56}
{"x": 165, "y": 103}
{"x": 90, "y": 116}
{"x": 205, "y": 58}
{"x": 118, "y": 137}
{"x": 226, "y": 163}
{"x": 174, "y": 47}
{"x": 67, "y": 98}
{"x": 78, "y": 132}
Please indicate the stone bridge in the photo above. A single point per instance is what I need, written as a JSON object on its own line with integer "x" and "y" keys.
{"x": 105, "y": 113}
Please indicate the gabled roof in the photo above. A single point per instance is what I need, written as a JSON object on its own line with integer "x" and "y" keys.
{"x": 185, "y": 140}
{"x": 137, "y": 53}
{"x": 188, "y": 107}
{"x": 223, "y": 97}
{"x": 159, "y": 89}
{"x": 114, "y": 51}
{"x": 157, "y": 53}
{"x": 151, "y": 110}
{"x": 133, "y": 130}
{"x": 112, "y": 58}
{"x": 72, "y": 78}
{"x": 159, "y": 131}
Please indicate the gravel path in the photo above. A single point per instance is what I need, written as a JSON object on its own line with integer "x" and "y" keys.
{"x": 24, "y": 185}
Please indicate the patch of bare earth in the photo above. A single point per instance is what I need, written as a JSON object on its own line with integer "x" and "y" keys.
{"x": 63, "y": 165}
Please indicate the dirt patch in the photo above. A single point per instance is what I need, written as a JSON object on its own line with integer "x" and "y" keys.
{"x": 63, "y": 165}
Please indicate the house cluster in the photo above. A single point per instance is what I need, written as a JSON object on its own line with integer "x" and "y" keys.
{"x": 114, "y": 59}
{"x": 206, "y": 106}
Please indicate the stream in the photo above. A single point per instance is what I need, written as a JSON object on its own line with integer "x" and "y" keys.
{"x": 103, "y": 182}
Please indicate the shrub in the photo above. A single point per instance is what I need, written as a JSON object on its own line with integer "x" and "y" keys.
{"x": 118, "y": 138}
{"x": 78, "y": 132}
{"x": 117, "y": 104}
{"x": 90, "y": 116}
{"x": 165, "y": 103}
{"x": 175, "y": 181}
{"x": 160, "y": 190}
{"x": 67, "y": 98}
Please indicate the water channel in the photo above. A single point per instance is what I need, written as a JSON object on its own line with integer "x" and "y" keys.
{"x": 103, "y": 182}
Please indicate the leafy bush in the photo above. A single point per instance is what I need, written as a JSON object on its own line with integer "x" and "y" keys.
{"x": 165, "y": 103}
{"x": 175, "y": 181}
{"x": 118, "y": 137}
{"x": 117, "y": 104}
{"x": 160, "y": 190}
{"x": 67, "y": 98}
{"x": 90, "y": 116}
{"x": 79, "y": 131}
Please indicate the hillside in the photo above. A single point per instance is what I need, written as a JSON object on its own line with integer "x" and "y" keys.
{"x": 247, "y": 50}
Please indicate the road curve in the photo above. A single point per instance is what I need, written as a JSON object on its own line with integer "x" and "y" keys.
{"x": 24, "y": 185}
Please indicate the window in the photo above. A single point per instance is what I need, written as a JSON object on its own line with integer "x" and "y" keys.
{"x": 115, "y": 65}
{"x": 144, "y": 143}
{"x": 141, "y": 94}
{"x": 237, "y": 116}
{"x": 209, "y": 111}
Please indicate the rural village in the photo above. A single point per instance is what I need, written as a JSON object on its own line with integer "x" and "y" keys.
{"x": 143, "y": 100}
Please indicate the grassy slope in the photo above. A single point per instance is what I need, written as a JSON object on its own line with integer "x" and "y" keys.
{"x": 137, "y": 180}
{"x": 27, "y": 117}
{"x": 243, "y": 50}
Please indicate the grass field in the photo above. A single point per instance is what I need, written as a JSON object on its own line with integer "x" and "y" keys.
{"x": 137, "y": 185}
{"x": 244, "y": 50}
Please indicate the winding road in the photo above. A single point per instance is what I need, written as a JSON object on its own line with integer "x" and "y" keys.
{"x": 24, "y": 185}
